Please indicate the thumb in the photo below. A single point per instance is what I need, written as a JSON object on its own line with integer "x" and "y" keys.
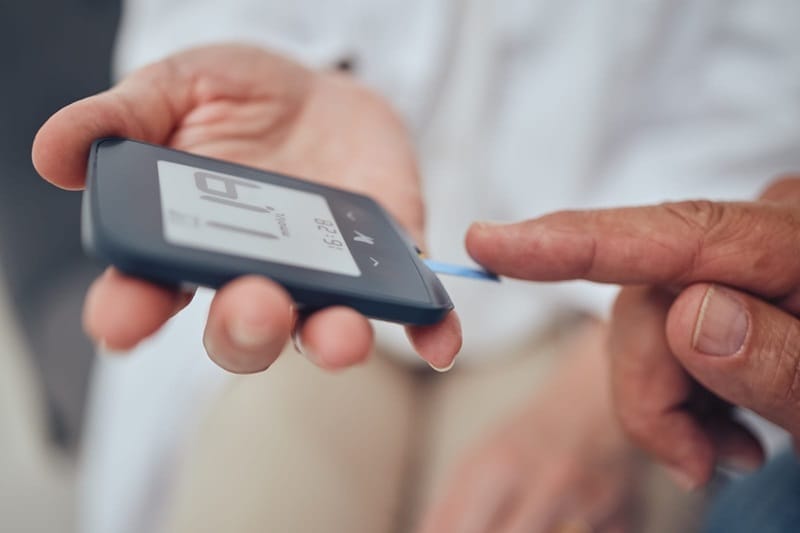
{"x": 145, "y": 106}
{"x": 741, "y": 348}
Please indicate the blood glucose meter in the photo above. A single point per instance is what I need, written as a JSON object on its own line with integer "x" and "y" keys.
{"x": 183, "y": 220}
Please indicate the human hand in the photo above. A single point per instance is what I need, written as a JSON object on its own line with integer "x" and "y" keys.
{"x": 561, "y": 464}
{"x": 710, "y": 315}
{"x": 251, "y": 107}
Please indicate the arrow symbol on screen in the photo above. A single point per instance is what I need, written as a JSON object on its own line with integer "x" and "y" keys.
{"x": 360, "y": 237}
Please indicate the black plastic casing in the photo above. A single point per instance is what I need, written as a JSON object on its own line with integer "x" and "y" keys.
{"x": 122, "y": 226}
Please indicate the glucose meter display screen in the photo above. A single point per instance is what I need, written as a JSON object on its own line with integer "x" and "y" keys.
{"x": 223, "y": 213}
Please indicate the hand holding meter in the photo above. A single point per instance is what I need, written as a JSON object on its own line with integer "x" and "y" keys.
{"x": 179, "y": 219}
{"x": 304, "y": 127}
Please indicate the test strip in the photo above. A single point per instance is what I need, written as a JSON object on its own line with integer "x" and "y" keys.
{"x": 463, "y": 271}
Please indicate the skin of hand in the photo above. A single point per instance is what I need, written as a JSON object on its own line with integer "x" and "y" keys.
{"x": 708, "y": 317}
{"x": 563, "y": 459}
{"x": 249, "y": 106}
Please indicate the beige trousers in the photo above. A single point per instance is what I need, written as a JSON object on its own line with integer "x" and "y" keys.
{"x": 297, "y": 449}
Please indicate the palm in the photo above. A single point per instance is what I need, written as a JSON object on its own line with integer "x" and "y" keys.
{"x": 324, "y": 127}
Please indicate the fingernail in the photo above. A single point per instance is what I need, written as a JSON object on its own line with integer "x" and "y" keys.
{"x": 247, "y": 335}
{"x": 721, "y": 325}
{"x": 442, "y": 369}
{"x": 681, "y": 478}
{"x": 301, "y": 348}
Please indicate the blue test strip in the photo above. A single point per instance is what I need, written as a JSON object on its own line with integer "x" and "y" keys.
{"x": 458, "y": 270}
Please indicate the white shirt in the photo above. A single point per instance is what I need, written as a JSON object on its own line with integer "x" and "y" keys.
{"x": 518, "y": 107}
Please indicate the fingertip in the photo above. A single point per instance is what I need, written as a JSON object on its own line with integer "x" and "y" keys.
{"x": 694, "y": 454}
{"x": 336, "y": 338}
{"x": 690, "y": 476}
{"x": 785, "y": 188}
{"x": 121, "y": 311}
{"x": 249, "y": 323}
{"x": 479, "y": 239}
{"x": 252, "y": 304}
{"x": 37, "y": 153}
{"x": 677, "y": 440}
{"x": 438, "y": 344}
{"x": 684, "y": 480}
{"x": 146, "y": 105}
{"x": 550, "y": 248}
{"x": 737, "y": 447}
{"x": 61, "y": 146}
{"x": 42, "y": 150}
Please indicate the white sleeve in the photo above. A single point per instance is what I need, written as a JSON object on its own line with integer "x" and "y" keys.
{"x": 716, "y": 114}
{"x": 310, "y": 31}
{"x": 141, "y": 408}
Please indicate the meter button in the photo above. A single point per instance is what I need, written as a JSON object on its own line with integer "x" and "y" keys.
{"x": 360, "y": 237}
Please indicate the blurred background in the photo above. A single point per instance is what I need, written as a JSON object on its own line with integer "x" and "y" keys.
{"x": 53, "y": 53}
{"x": 44, "y": 364}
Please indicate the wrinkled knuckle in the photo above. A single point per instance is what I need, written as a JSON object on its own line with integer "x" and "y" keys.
{"x": 696, "y": 221}
{"x": 701, "y": 216}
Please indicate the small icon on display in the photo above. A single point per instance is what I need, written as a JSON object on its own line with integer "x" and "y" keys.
{"x": 375, "y": 262}
{"x": 360, "y": 237}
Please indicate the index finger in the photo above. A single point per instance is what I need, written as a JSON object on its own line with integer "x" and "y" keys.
{"x": 754, "y": 246}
